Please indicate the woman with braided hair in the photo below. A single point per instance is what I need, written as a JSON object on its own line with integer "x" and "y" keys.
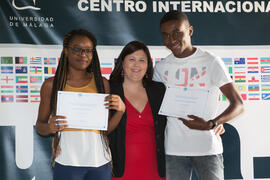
{"x": 81, "y": 154}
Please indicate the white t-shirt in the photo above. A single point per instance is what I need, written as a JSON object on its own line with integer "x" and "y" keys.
{"x": 82, "y": 148}
{"x": 200, "y": 70}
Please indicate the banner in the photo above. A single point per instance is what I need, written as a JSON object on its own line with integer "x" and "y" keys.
{"x": 30, "y": 46}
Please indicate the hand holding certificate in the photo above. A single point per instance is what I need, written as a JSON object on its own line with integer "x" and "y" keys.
{"x": 183, "y": 101}
{"x": 83, "y": 110}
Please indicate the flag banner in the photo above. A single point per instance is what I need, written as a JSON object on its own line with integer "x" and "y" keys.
{"x": 7, "y": 98}
{"x": 253, "y": 87}
{"x": 21, "y": 60}
{"x": 21, "y": 89}
{"x": 239, "y": 79}
{"x": 106, "y": 68}
{"x": 35, "y": 70}
{"x": 6, "y": 69}
{"x": 265, "y": 87}
{"x": 253, "y": 61}
{"x": 21, "y": 79}
{"x": 49, "y": 70}
{"x": 265, "y": 60}
{"x": 266, "y": 96}
{"x": 35, "y": 60}
{"x": 253, "y": 96}
{"x": 36, "y": 79}
{"x": 21, "y": 69}
{"x": 34, "y": 98}
{"x": 253, "y": 69}
{"x": 227, "y": 61}
{"x": 6, "y": 60}
{"x": 265, "y": 69}
{"x": 7, "y": 80}
{"x": 239, "y": 61}
{"x": 35, "y": 89}
{"x": 49, "y": 61}
{"x": 7, "y": 89}
{"x": 21, "y": 98}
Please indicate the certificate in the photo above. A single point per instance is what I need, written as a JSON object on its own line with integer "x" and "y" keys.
{"x": 183, "y": 101}
{"x": 83, "y": 110}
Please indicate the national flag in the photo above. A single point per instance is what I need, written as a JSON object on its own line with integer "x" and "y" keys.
{"x": 253, "y": 69}
{"x": 21, "y": 89}
{"x": 49, "y": 61}
{"x": 239, "y": 61}
{"x": 244, "y": 96}
{"x": 21, "y": 69}
{"x": 35, "y": 70}
{"x": 106, "y": 68}
{"x": 22, "y": 98}
{"x": 227, "y": 61}
{"x": 7, "y": 69}
{"x": 265, "y": 87}
{"x": 49, "y": 70}
{"x": 265, "y": 96}
{"x": 6, "y": 89}
{"x": 34, "y": 98}
{"x": 251, "y": 61}
{"x": 7, "y": 98}
{"x": 265, "y": 69}
{"x": 240, "y": 70}
{"x": 254, "y": 96}
{"x": 265, "y": 60}
{"x": 21, "y": 79}
{"x": 20, "y": 60}
{"x": 34, "y": 89}
{"x": 35, "y": 60}
{"x": 253, "y": 78}
{"x": 240, "y": 87}
{"x": 265, "y": 78}
{"x": 230, "y": 69}
{"x": 239, "y": 78}
{"x": 36, "y": 79}
{"x": 6, "y": 60}
{"x": 7, "y": 80}
{"x": 253, "y": 87}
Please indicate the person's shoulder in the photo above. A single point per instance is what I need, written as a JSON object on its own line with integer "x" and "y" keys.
{"x": 48, "y": 83}
{"x": 163, "y": 61}
{"x": 206, "y": 53}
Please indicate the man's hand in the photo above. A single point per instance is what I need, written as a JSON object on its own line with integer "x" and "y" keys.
{"x": 196, "y": 123}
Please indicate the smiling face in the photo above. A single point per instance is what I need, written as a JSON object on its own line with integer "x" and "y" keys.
{"x": 135, "y": 66}
{"x": 176, "y": 36}
{"x": 79, "y": 53}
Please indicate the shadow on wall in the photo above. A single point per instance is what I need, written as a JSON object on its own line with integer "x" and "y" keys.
{"x": 231, "y": 153}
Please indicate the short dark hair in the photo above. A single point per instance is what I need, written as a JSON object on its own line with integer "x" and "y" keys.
{"x": 130, "y": 48}
{"x": 174, "y": 15}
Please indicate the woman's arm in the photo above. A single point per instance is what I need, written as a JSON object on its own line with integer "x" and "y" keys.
{"x": 47, "y": 125}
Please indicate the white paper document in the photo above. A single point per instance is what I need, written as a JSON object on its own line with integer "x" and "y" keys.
{"x": 183, "y": 101}
{"x": 83, "y": 110}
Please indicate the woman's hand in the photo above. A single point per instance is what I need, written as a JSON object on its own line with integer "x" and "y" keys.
{"x": 56, "y": 125}
{"x": 115, "y": 102}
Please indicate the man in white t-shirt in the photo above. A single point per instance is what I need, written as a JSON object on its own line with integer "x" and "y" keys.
{"x": 191, "y": 143}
